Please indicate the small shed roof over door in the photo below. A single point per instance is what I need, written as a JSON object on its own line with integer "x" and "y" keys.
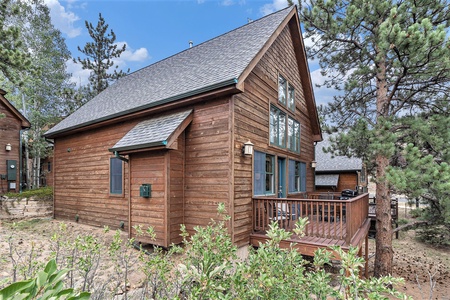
{"x": 159, "y": 131}
{"x": 327, "y": 179}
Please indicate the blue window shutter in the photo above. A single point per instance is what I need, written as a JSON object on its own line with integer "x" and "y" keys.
{"x": 259, "y": 176}
{"x": 302, "y": 177}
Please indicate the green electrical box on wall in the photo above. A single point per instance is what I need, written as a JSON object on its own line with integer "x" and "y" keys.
{"x": 11, "y": 170}
{"x": 145, "y": 190}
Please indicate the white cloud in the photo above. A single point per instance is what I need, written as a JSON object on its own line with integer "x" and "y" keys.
{"x": 80, "y": 76}
{"x": 129, "y": 54}
{"x": 273, "y": 7}
{"x": 62, "y": 19}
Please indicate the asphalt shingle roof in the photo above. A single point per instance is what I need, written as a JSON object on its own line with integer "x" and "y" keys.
{"x": 212, "y": 64}
{"x": 326, "y": 161}
{"x": 152, "y": 132}
{"x": 327, "y": 179}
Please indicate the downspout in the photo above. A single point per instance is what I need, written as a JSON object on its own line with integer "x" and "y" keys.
{"x": 117, "y": 155}
{"x": 20, "y": 159}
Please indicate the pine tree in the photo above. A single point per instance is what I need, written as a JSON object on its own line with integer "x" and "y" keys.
{"x": 99, "y": 56}
{"x": 390, "y": 59}
{"x": 39, "y": 95}
{"x": 13, "y": 56}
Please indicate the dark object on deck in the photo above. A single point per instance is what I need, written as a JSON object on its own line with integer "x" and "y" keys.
{"x": 346, "y": 194}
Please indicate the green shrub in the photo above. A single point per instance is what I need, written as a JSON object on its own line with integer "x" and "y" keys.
{"x": 48, "y": 284}
{"x": 43, "y": 193}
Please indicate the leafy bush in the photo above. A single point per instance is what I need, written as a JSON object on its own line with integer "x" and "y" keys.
{"x": 48, "y": 284}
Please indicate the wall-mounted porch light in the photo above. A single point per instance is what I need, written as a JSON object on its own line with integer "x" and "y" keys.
{"x": 8, "y": 147}
{"x": 247, "y": 149}
{"x": 313, "y": 164}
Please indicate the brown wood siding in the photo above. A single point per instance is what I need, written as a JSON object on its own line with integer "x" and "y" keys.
{"x": 10, "y": 127}
{"x": 81, "y": 176}
{"x": 207, "y": 162}
{"x": 176, "y": 191}
{"x": 150, "y": 167}
{"x": 251, "y": 111}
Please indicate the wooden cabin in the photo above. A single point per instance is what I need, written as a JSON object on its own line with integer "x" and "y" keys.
{"x": 335, "y": 173}
{"x": 12, "y": 122}
{"x": 165, "y": 145}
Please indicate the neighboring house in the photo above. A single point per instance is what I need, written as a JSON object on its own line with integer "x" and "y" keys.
{"x": 163, "y": 146}
{"x": 12, "y": 122}
{"x": 338, "y": 173}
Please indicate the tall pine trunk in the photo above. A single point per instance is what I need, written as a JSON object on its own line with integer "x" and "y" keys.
{"x": 384, "y": 253}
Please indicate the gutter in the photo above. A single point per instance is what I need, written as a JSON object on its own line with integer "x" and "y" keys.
{"x": 137, "y": 147}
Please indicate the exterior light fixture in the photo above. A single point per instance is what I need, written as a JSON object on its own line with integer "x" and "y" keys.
{"x": 313, "y": 164}
{"x": 247, "y": 149}
{"x": 8, "y": 147}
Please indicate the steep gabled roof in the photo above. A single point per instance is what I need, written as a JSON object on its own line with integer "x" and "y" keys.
{"x": 221, "y": 62}
{"x": 326, "y": 162}
{"x": 24, "y": 121}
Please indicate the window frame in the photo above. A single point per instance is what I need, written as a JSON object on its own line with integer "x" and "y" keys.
{"x": 298, "y": 178}
{"x": 282, "y": 86}
{"x": 111, "y": 176}
{"x": 294, "y": 140}
{"x": 291, "y": 97}
{"x": 261, "y": 174}
{"x": 279, "y": 115}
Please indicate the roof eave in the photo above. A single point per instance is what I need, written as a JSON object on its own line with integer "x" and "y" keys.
{"x": 225, "y": 83}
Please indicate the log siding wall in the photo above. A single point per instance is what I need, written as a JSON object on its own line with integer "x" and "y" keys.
{"x": 9, "y": 133}
{"x": 81, "y": 177}
{"x": 251, "y": 111}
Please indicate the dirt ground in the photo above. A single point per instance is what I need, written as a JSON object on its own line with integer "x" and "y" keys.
{"x": 419, "y": 264}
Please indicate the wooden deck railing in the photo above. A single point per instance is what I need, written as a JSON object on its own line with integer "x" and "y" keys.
{"x": 331, "y": 219}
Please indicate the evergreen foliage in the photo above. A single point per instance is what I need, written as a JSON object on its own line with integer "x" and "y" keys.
{"x": 390, "y": 60}
{"x": 100, "y": 55}
{"x": 13, "y": 55}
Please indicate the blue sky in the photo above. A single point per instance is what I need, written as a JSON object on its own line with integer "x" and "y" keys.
{"x": 156, "y": 29}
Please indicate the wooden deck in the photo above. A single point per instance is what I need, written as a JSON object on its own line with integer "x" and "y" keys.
{"x": 330, "y": 222}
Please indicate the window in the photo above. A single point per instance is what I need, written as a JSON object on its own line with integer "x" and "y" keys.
{"x": 293, "y": 135}
{"x": 282, "y": 90}
{"x": 291, "y": 98}
{"x": 264, "y": 179}
{"x": 286, "y": 93}
{"x": 116, "y": 176}
{"x": 297, "y": 176}
{"x": 277, "y": 127}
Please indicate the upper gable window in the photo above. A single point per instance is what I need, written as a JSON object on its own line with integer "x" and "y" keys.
{"x": 291, "y": 97}
{"x": 282, "y": 89}
{"x": 286, "y": 93}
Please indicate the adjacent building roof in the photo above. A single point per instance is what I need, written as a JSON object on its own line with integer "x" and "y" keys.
{"x": 24, "y": 121}
{"x": 152, "y": 132}
{"x": 213, "y": 64}
{"x": 327, "y": 179}
{"x": 326, "y": 162}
